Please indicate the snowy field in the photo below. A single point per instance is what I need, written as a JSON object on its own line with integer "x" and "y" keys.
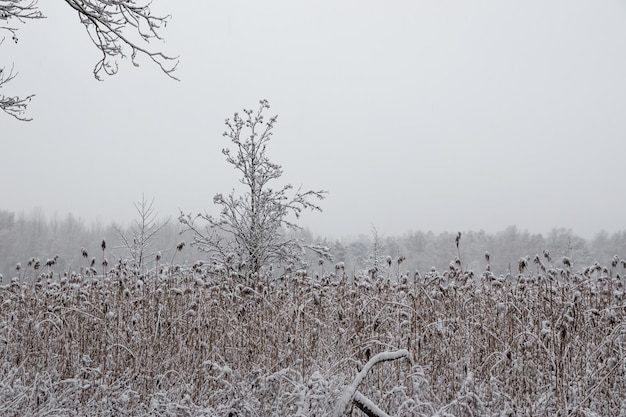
{"x": 199, "y": 341}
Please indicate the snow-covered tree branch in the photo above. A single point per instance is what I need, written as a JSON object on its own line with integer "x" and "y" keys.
{"x": 13, "y": 106}
{"x": 118, "y": 28}
{"x": 350, "y": 392}
{"x": 14, "y": 11}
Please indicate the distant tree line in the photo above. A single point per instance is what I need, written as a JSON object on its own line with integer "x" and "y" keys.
{"x": 33, "y": 235}
{"x": 421, "y": 251}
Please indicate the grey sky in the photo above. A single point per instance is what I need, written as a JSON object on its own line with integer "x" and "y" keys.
{"x": 422, "y": 115}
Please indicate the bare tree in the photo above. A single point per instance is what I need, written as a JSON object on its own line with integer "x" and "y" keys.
{"x": 118, "y": 28}
{"x": 139, "y": 240}
{"x": 251, "y": 229}
{"x": 377, "y": 259}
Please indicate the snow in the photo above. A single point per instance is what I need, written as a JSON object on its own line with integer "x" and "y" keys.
{"x": 365, "y": 403}
{"x": 349, "y": 392}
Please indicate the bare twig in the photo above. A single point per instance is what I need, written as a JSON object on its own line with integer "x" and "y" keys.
{"x": 13, "y": 106}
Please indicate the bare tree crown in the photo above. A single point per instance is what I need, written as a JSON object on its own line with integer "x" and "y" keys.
{"x": 251, "y": 228}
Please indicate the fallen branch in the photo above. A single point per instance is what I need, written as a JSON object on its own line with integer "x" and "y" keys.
{"x": 350, "y": 392}
{"x": 367, "y": 406}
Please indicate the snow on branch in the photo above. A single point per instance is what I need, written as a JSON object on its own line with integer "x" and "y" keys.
{"x": 350, "y": 393}
{"x": 10, "y": 11}
{"x": 13, "y": 106}
{"x": 117, "y": 26}
{"x": 19, "y": 10}
{"x": 367, "y": 406}
{"x": 253, "y": 227}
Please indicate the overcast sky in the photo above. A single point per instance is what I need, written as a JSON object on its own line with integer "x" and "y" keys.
{"x": 414, "y": 115}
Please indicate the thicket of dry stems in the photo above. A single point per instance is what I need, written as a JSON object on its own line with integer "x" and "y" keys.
{"x": 195, "y": 341}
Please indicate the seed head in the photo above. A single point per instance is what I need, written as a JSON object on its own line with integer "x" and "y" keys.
{"x": 567, "y": 262}
{"x": 546, "y": 254}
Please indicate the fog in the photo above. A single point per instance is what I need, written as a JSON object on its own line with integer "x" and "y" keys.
{"x": 421, "y": 115}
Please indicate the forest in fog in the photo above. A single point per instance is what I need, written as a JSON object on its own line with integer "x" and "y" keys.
{"x": 42, "y": 237}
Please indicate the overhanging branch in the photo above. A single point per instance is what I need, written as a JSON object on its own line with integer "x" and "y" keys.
{"x": 119, "y": 27}
{"x": 10, "y": 12}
